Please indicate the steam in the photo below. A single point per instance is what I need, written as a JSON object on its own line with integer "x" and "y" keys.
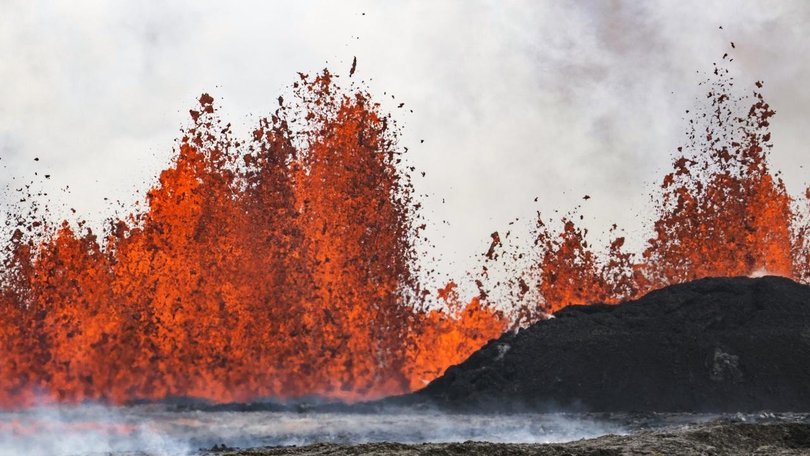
{"x": 92, "y": 429}
{"x": 85, "y": 430}
{"x": 759, "y": 272}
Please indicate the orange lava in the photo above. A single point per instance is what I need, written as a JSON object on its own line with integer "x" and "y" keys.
{"x": 279, "y": 266}
{"x": 721, "y": 212}
{"x": 283, "y": 265}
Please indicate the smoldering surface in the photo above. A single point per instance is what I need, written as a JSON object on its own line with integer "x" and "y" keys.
{"x": 156, "y": 429}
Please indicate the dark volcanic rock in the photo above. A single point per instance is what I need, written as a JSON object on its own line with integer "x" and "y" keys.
{"x": 716, "y": 439}
{"x": 713, "y": 345}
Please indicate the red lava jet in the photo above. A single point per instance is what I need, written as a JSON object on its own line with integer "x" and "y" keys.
{"x": 277, "y": 266}
{"x": 720, "y": 212}
{"x": 283, "y": 265}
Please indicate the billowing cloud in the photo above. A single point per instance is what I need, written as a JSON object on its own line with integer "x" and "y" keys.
{"x": 513, "y": 99}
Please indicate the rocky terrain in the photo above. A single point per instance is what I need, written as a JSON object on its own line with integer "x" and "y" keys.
{"x": 712, "y": 345}
{"x": 713, "y": 439}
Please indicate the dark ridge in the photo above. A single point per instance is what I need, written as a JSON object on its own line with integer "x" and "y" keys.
{"x": 712, "y": 345}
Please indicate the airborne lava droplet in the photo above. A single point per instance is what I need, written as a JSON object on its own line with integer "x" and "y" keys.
{"x": 496, "y": 241}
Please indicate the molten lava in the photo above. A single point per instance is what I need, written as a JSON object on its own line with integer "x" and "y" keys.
{"x": 280, "y": 266}
{"x": 721, "y": 212}
{"x": 283, "y": 265}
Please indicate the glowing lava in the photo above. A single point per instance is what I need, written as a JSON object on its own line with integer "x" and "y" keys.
{"x": 721, "y": 212}
{"x": 280, "y": 266}
{"x": 284, "y": 265}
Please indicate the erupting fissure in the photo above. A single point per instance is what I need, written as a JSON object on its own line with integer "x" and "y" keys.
{"x": 720, "y": 212}
{"x": 283, "y": 265}
{"x": 278, "y": 266}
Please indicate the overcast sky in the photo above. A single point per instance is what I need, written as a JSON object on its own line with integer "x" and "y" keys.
{"x": 514, "y": 99}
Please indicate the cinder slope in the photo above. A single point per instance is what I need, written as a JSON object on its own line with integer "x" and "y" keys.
{"x": 712, "y": 345}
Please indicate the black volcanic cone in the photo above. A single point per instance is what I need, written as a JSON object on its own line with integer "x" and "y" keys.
{"x": 712, "y": 345}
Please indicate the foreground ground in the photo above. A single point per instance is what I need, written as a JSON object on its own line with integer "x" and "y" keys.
{"x": 716, "y": 438}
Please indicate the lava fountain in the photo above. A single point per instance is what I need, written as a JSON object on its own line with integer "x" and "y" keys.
{"x": 277, "y": 266}
{"x": 721, "y": 211}
{"x": 283, "y": 264}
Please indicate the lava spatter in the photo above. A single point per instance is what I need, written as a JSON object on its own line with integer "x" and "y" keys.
{"x": 284, "y": 264}
{"x": 721, "y": 211}
{"x": 278, "y": 266}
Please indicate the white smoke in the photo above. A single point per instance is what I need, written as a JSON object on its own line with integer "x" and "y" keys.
{"x": 761, "y": 272}
{"x": 513, "y": 99}
{"x": 154, "y": 430}
{"x": 84, "y": 430}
